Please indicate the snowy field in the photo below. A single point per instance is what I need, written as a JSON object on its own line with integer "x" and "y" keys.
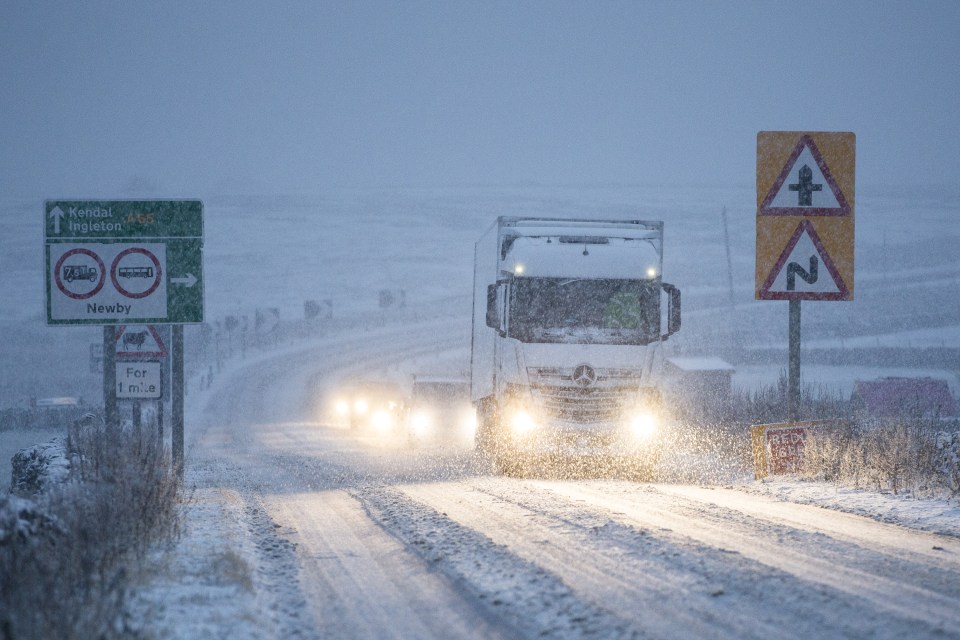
{"x": 265, "y": 252}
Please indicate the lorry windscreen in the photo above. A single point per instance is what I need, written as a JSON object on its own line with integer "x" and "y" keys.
{"x": 581, "y": 311}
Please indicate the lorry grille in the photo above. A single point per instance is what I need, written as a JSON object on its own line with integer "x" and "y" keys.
{"x": 602, "y": 401}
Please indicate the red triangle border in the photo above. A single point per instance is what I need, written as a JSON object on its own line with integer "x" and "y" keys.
{"x": 767, "y": 210}
{"x": 141, "y": 354}
{"x": 842, "y": 294}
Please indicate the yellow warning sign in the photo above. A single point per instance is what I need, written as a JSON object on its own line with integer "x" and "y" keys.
{"x": 805, "y": 215}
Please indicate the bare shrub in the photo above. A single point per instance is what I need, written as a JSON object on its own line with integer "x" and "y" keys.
{"x": 829, "y": 453}
{"x": 947, "y": 459}
{"x": 72, "y": 580}
{"x": 909, "y": 453}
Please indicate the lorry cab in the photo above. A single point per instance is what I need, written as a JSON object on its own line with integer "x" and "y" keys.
{"x": 568, "y": 320}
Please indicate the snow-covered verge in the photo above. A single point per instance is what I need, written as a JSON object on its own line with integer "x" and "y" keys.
{"x": 203, "y": 586}
{"x": 936, "y": 515}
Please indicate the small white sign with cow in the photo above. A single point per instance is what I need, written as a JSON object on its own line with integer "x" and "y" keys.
{"x": 139, "y": 342}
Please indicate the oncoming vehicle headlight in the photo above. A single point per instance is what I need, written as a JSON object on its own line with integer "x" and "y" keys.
{"x": 360, "y": 406}
{"x": 342, "y": 407}
{"x": 644, "y": 425}
{"x": 421, "y": 422}
{"x": 381, "y": 420}
{"x": 522, "y": 422}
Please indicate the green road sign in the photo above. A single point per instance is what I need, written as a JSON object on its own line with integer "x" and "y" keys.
{"x": 124, "y": 262}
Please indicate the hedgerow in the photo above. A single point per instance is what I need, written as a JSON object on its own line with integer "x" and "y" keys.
{"x": 70, "y": 551}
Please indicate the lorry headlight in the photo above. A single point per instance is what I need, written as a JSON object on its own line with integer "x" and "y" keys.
{"x": 360, "y": 407}
{"x": 342, "y": 407}
{"x": 644, "y": 425}
{"x": 469, "y": 423}
{"x": 522, "y": 422}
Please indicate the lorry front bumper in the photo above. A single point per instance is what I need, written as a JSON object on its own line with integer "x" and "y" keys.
{"x": 587, "y": 440}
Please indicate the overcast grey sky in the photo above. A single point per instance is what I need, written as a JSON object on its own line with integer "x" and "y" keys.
{"x": 211, "y": 97}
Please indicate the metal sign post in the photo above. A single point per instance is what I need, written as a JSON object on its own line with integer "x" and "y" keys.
{"x": 805, "y": 226}
{"x": 111, "y": 414}
{"x": 176, "y": 418}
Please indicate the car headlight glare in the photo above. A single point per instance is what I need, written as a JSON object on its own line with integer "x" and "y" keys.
{"x": 342, "y": 407}
{"x": 381, "y": 420}
{"x": 421, "y": 423}
{"x": 360, "y": 407}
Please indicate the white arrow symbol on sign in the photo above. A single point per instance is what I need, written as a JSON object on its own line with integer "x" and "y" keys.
{"x": 57, "y": 215}
{"x": 188, "y": 280}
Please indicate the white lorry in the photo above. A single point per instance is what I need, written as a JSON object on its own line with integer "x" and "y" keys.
{"x": 568, "y": 319}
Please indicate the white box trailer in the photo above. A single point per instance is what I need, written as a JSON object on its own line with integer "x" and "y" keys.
{"x": 568, "y": 320}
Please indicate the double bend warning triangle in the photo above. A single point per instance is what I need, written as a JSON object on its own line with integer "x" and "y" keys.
{"x": 804, "y": 271}
{"x": 805, "y": 186}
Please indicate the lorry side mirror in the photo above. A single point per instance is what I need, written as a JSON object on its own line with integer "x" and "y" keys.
{"x": 493, "y": 310}
{"x": 673, "y": 310}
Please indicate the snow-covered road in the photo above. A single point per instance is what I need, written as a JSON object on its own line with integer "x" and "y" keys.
{"x": 337, "y": 535}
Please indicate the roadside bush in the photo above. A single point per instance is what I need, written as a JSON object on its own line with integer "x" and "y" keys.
{"x": 40, "y": 467}
{"x": 68, "y": 555}
{"x": 906, "y": 454}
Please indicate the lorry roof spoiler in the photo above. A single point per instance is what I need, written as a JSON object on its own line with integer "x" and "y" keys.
{"x": 555, "y": 227}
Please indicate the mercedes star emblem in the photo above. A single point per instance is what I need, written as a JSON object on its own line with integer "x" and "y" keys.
{"x": 584, "y": 375}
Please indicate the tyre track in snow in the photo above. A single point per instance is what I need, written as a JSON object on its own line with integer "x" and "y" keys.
{"x": 892, "y": 540}
{"x": 631, "y": 577}
{"x": 521, "y": 597}
{"x": 677, "y": 569}
{"x": 913, "y": 599}
{"x": 362, "y": 582}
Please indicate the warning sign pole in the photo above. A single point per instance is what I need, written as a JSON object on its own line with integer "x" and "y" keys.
{"x": 805, "y": 227}
{"x": 793, "y": 381}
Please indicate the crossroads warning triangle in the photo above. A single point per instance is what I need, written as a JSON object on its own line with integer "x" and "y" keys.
{"x": 804, "y": 271}
{"x": 140, "y": 342}
{"x": 805, "y": 186}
